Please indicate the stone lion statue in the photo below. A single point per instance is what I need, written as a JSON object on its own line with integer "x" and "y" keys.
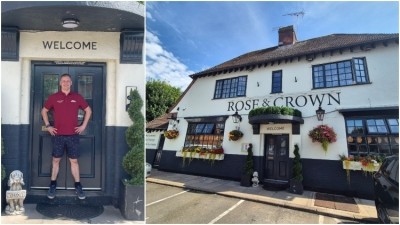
{"x": 15, "y": 196}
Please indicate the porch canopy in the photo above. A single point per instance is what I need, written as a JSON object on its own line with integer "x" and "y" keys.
{"x": 100, "y": 16}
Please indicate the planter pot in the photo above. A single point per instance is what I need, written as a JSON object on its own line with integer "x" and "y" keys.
{"x": 246, "y": 180}
{"x": 131, "y": 201}
{"x": 296, "y": 187}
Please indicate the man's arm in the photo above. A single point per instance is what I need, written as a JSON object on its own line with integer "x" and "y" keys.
{"x": 88, "y": 113}
{"x": 50, "y": 129}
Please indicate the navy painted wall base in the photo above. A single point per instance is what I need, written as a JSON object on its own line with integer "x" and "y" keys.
{"x": 150, "y": 155}
{"x": 329, "y": 176}
{"x": 319, "y": 175}
{"x": 229, "y": 168}
{"x": 16, "y": 148}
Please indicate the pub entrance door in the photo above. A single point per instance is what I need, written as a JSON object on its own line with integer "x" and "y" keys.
{"x": 87, "y": 80}
{"x": 276, "y": 158}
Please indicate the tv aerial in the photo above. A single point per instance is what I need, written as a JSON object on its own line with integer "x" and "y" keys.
{"x": 296, "y": 14}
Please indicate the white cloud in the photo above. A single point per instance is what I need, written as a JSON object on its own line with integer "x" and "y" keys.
{"x": 163, "y": 65}
{"x": 149, "y": 16}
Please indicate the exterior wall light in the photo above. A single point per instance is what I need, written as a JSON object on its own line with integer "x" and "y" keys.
{"x": 173, "y": 119}
{"x": 236, "y": 117}
{"x": 320, "y": 113}
{"x": 70, "y": 23}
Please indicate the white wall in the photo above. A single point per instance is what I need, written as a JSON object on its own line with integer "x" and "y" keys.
{"x": 383, "y": 70}
{"x": 16, "y": 82}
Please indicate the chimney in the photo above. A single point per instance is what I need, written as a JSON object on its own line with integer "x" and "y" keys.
{"x": 287, "y": 36}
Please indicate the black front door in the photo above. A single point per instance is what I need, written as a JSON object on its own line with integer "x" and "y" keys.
{"x": 276, "y": 157}
{"x": 88, "y": 81}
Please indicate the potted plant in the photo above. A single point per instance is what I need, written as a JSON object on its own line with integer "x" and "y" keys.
{"x": 324, "y": 135}
{"x": 131, "y": 200}
{"x": 235, "y": 135}
{"x": 296, "y": 183}
{"x": 171, "y": 134}
{"x": 248, "y": 168}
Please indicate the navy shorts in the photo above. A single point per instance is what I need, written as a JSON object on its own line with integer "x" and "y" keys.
{"x": 69, "y": 143}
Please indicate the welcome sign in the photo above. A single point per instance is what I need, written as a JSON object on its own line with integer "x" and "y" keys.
{"x": 78, "y": 45}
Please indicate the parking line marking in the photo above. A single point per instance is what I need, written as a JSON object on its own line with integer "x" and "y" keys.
{"x": 226, "y": 212}
{"x": 166, "y": 198}
{"x": 321, "y": 219}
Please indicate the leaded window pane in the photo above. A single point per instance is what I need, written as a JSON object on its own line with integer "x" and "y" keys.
{"x": 205, "y": 135}
{"x": 393, "y": 125}
{"x": 234, "y": 85}
{"x": 377, "y": 141}
{"x": 230, "y": 88}
{"x": 242, "y": 86}
{"x": 376, "y": 126}
{"x": 340, "y": 73}
{"x": 226, "y": 88}
{"x": 276, "y": 81}
{"x": 218, "y": 89}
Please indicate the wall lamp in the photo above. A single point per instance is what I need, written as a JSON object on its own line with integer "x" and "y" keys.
{"x": 320, "y": 113}
{"x": 236, "y": 117}
{"x": 173, "y": 119}
{"x": 70, "y": 23}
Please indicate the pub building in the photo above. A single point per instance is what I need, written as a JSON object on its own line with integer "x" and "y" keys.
{"x": 100, "y": 45}
{"x": 351, "y": 80}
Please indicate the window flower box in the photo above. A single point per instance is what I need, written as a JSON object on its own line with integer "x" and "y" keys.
{"x": 198, "y": 152}
{"x": 354, "y": 165}
{"x": 195, "y": 155}
{"x": 368, "y": 164}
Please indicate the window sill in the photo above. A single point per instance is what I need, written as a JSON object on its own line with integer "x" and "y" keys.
{"x": 195, "y": 155}
{"x": 342, "y": 86}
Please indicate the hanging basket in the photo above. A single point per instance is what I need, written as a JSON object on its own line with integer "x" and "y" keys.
{"x": 171, "y": 134}
{"x": 235, "y": 135}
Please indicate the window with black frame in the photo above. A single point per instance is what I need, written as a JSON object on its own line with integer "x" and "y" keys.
{"x": 276, "y": 82}
{"x": 205, "y": 135}
{"x": 368, "y": 136}
{"x": 230, "y": 88}
{"x": 343, "y": 73}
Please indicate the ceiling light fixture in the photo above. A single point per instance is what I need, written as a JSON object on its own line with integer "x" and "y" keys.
{"x": 70, "y": 23}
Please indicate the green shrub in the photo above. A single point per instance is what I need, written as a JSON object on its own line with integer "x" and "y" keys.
{"x": 278, "y": 110}
{"x": 297, "y": 166}
{"x": 249, "y": 165}
{"x": 133, "y": 161}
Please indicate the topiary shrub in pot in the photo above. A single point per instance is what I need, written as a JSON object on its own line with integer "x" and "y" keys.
{"x": 132, "y": 190}
{"x": 296, "y": 183}
{"x": 248, "y": 168}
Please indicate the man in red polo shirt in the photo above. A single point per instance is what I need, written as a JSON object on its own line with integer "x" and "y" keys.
{"x": 66, "y": 130}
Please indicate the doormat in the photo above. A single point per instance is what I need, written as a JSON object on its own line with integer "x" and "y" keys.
{"x": 336, "y": 202}
{"x": 69, "y": 211}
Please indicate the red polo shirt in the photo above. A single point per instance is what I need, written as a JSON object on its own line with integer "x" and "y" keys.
{"x": 66, "y": 109}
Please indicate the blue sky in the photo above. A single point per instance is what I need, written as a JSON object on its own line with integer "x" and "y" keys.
{"x": 183, "y": 38}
